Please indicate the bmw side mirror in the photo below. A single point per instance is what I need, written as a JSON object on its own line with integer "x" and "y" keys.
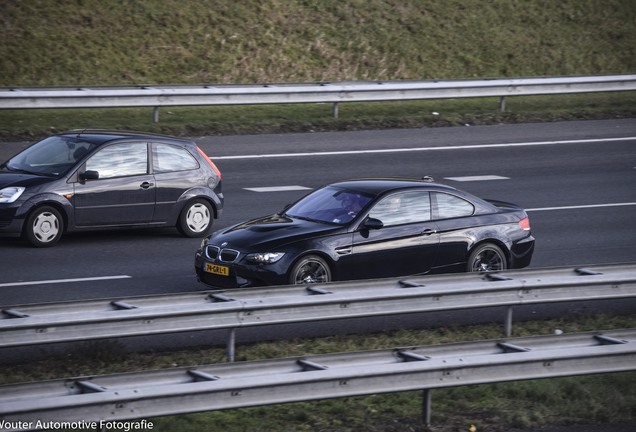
{"x": 372, "y": 223}
{"x": 89, "y": 175}
{"x": 282, "y": 212}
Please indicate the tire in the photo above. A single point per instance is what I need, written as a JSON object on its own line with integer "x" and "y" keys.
{"x": 310, "y": 269}
{"x": 487, "y": 258}
{"x": 44, "y": 227}
{"x": 195, "y": 219}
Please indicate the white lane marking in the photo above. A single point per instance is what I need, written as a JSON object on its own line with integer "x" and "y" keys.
{"x": 583, "y": 206}
{"x": 476, "y": 178}
{"x": 57, "y": 281}
{"x": 419, "y": 149}
{"x": 277, "y": 189}
{"x": 299, "y": 188}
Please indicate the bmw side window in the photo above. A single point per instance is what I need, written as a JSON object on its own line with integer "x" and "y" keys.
{"x": 120, "y": 160}
{"x": 403, "y": 208}
{"x": 169, "y": 158}
{"x": 450, "y": 206}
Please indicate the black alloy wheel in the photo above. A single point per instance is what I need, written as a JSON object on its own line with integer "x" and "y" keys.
{"x": 310, "y": 269}
{"x": 487, "y": 258}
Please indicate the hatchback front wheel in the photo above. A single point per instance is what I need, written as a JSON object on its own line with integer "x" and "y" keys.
{"x": 44, "y": 227}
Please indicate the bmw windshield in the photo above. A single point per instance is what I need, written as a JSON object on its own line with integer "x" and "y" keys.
{"x": 330, "y": 205}
{"x": 52, "y": 156}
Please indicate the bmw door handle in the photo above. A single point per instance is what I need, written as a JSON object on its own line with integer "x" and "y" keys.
{"x": 428, "y": 231}
{"x": 146, "y": 185}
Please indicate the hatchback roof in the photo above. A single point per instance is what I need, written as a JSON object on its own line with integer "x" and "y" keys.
{"x": 102, "y": 135}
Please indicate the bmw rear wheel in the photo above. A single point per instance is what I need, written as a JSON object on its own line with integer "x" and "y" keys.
{"x": 487, "y": 258}
{"x": 310, "y": 269}
{"x": 44, "y": 227}
{"x": 195, "y": 219}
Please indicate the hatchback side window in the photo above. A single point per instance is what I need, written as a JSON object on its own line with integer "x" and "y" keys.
{"x": 169, "y": 158}
{"x": 120, "y": 160}
{"x": 403, "y": 208}
{"x": 450, "y": 206}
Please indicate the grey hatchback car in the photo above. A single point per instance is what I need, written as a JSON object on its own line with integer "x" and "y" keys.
{"x": 95, "y": 179}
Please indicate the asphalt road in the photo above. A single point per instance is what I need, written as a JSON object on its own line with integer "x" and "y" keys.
{"x": 577, "y": 180}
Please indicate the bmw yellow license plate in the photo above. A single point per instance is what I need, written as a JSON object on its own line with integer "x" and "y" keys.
{"x": 217, "y": 269}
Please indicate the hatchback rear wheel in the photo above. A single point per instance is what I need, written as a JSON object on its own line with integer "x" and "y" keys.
{"x": 310, "y": 269}
{"x": 195, "y": 219}
{"x": 487, "y": 258}
{"x": 44, "y": 227}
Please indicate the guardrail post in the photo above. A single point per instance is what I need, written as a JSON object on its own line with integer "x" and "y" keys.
{"x": 508, "y": 323}
{"x": 502, "y": 103}
{"x": 231, "y": 343}
{"x": 334, "y": 110}
{"x": 155, "y": 115}
{"x": 426, "y": 407}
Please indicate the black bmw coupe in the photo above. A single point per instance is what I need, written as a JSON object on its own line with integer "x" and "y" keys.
{"x": 366, "y": 229}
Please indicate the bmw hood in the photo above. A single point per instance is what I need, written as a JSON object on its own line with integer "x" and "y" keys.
{"x": 271, "y": 232}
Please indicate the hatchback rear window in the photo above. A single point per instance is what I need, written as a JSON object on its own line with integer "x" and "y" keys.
{"x": 169, "y": 158}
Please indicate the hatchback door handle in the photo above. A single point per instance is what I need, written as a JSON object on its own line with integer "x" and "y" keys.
{"x": 146, "y": 185}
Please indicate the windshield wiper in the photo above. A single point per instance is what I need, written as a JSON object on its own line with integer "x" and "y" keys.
{"x": 320, "y": 221}
{"x": 19, "y": 170}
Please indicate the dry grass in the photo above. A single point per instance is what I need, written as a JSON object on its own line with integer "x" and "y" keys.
{"x": 90, "y": 42}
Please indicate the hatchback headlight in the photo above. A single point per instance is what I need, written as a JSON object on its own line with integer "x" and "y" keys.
{"x": 10, "y": 194}
{"x": 265, "y": 257}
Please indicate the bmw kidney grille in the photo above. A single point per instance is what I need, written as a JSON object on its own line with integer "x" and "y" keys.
{"x": 215, "y": 253}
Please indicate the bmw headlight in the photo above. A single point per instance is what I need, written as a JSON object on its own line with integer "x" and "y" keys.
{"x": 265, "y": 257}
{"x": 10, "y": 194}
{"x": 204, "y": 243}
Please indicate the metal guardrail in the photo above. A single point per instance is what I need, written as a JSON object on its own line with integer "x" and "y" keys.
{"x": 96, "y": 401}
{"x": 234, "y": 309}
{"x": 329, "y": 92}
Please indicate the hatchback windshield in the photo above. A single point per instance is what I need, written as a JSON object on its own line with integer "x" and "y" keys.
{"x": 52, "y": 156}
{"x": 331, "y": 205}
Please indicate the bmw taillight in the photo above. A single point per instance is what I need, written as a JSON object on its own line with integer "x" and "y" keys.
{"x": 524, "y": 224}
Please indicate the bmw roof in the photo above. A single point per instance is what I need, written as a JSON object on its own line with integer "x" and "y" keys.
{"x": 379, "y": 185}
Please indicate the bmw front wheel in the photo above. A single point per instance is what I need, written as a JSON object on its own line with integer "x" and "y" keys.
{"x": 310, "y": 269}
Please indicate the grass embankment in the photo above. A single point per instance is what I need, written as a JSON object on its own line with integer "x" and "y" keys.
{"x": 494, "y": 407}
{"x": 96, "y": 42}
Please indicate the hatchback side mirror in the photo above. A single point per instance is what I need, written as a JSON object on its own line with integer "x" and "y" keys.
{"x": 89, "y": 175}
